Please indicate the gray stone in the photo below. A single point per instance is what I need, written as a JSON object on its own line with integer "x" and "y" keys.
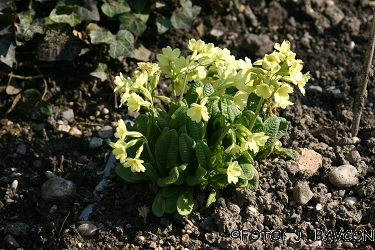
{"x": 68, "y": 115}
{"x": 353, "y": 156}
{"x": 57, "y": 189}
{"x": 258, "y": 45}
{"x": 335, "y": 14}
{"x": 87, "y": 229}
{"x": 96, "y": 142}
{"x": 16, "y": 228}
{"x": 302, "y": 193}
{"x": 10, "y": 242}
{"x": 105, "y": 132}
{"x": 21, "y": 149}
{"x": 75, "y": 132}
{"x": 344, "y": 176}
{"x": 62, "y": 128}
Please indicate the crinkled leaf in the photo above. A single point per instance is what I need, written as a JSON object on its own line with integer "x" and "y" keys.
{"x": 283, "y": 128}
{"x": 166, "y": 149}
{"x": 100, "y": 72}
{"x": 228, "y": 109}
{"x": 115, "y": 7}
{"x": 208, "y": 89}
{"x": 171, "y": 204}
{"x": 124, "y": 45}
{"x": 158, "y": 206}
{"x": 102, "y": 36}
{"x": 65, "y": 14}
{"x": 183, "y": 17}
{"x": 271, "y": 128}
{"x": 129, "y": 21}
{"x": 254, "y": 183}
{"x": 151, "y": 172}
{"x": 248, "y": 171}
{"x": 141, "y": 122}
{"x": 193, "y": 180}
{"x": 252, "y": 102}
{"x": 171, "y": 178}
{"x": 203, "y": 154}
{"x": 288, "y": 152}
{"x": 125, "y": 173}
{"x": 219, "y": 181}
{"x": 192, "y": 95}
{"x": 185, "y": 204}
{"x": 187, "y": 151}
{"x": 58, "y": 44}
{"x": 163, "y": 24}
{"x": 195, "y": 129}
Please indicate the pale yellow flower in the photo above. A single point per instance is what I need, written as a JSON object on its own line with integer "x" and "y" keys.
{"x": 271, "y": 62}
{"x": 233, "y": 149}
{"x": 301, "y": 84}
{"x": 119, "y": 150}
{"x": 167, "y": 56}
{"x": 198, "y": 112}
{"x": 134, "y": 164}
{"x": 264, "y": 90}
{"x": 240, "y": 99}
{"x": 283, "y": 92}
{"x": 254, "y": 141}
{"x": 233, "y": 172}
{"x": 121, "y": 130}
{"x": 135, "y": 102}
{"x": 295, "y": 72}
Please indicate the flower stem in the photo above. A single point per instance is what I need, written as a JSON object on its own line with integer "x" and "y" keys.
{"x": 221, "y": 137}
{"x": 183, "y": 88}
{"x": 260, "y": 104}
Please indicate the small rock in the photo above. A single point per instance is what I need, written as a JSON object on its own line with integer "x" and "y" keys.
{"x": 105, "y": 132}
{"x": 316, "y": 244}
{"x": 75, "y": 132}
{"x": 249, "y": 14}
{"x": 347, "y": 244}
{"x": 57, "y": 189}
{"x": 351, "y": 200}
{"x": 105, "y": 111}
{"x": 314, "y": 89}
{"x": 335, "y": 14}
{"x": 11, "y": 242}
{"x": 14, "y": 185}
{"x": 96, "y": 142}
{"x": 353, "y": 156}
{"x": 258, "y": 45}
{"x": 216, "y": 33}
{"x": 21, "y": 149}
{"x": 68, "y": 115}
{"x": 83, "y": 159}
{"x": 309, "y": 160}
{"x": 50, "y": 174}
{"x": 62, "y": 128}
{"x": 302, "y": 193}
{"x": 344, "y": 176}
{"x": 17, "y": 228}
{"x": 87, "y": 229}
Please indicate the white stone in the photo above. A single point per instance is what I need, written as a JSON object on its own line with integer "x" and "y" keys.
{"x": 57, "y": 189}
{"x": 351, "y": 200}
{"x": 68, "y": 115}
{"x": 344, "y": 176}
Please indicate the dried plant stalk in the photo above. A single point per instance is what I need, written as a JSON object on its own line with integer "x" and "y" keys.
{"x": 365, "y": 73}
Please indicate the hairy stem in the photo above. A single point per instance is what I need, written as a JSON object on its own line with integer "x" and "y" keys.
{"x": 260, "y": 104}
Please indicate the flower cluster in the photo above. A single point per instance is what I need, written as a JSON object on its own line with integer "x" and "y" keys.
{"x": 221, "y": 116}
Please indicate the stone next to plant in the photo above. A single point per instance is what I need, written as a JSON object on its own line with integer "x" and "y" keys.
{"x": 222, "y": 117}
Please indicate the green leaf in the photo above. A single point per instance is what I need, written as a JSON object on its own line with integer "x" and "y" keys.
{"x": 100, "y": 72}
{"x": 102, "y": 36}
{"x": 252, "y": 102}
{"x": 151, "y": 172}
{"x": 158, "y": 206}
{"x": 166, "y": 149}
{"x": 124, "y": 45}
{"x": 271, "y": 128}
{"x": 195, "y": 129}
{"x": 212, "y": 198}
{"x": 65, "y": 14}
{"x": 185, "y": 204}
{"x": 130, "y": 21}
{"x": 7, "y": 49}
{"x": 183, "y": 17}
{"x": 163, "y": 24}
{"x": 125, "y": 173}
{"x": 141, "y": 123}
{"x": 199, "y": 174}
{"x": 112, "y": 8}
{"x": 46, "y": 108}
{"x": 288, "y": 152}
{"x": 88, "y": 10}
{"x": 241, "y": 183}
{"x": 171, "y": 178}
{"x": 203, "y": 154}
{"x": 187, "y": 151}
{"x": 254, "y": 183}
{"x": 59, "y": 44}
{"x": 171, "y": 204}
{"x": 219, "y": 181}
{"x": 228, "y": 109}
{"x": 208, "y": 90}
{"x": 248, "y": 171}
{"x": 283, "y": 128}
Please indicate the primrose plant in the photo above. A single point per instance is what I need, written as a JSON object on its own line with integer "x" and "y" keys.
{"x": 221, "y": 117}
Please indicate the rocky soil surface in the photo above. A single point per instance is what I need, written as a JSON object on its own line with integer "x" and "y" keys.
{"x": 58, "y": 189}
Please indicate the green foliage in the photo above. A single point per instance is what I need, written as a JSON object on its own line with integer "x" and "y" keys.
{"x": 212, "y": 132}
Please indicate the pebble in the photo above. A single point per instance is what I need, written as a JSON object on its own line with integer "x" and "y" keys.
{"x": 75, "y": 132}
{"x": 302, "y": 193}
{"x": 21, "y": 149}
{"x": 351, "y": 200}
{"x": 105, "y": 111}
{"x": 96, "y": 142}
{"x": 87, "y": 229}
{"x": 318, "y": 207}
{"x": 11, "y": 242}
{"x": 347, "y": 244}
{"x": 316, "y": 244}
{"x": 86, "y": 212}
{"x": 105, "y": 132}
{"x": 316, "y": 89}
{"x": 62, "y": 128}
{"x": 68, "y": 115}
{"x": 353, "y": 156}
{"x": 16, "y": 228}
{"x": 50, "y": 174}
{"x": 344, "y": 176}
{"x": 57, "y": 189}
{"x": 14, "y": 185}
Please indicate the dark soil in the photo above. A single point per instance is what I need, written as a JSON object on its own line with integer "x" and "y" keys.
{"x": 329, "y": 36}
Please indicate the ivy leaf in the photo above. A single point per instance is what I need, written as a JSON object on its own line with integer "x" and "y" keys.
{"x": 58, "y": 44}
{"x": 102, "y": 36}
{"x": 158, "y": 206}
{"x": 88, "y": 10}
{"x": 130, "y": 21}
{"x": 65, "y": 14}
{"x": 112, "y": 8}
{"x": 124, "y": 45}
{"x": 7, "y": 49}
{"x": 183, "y": 17}
{"x": 166, "y": 149}
{"x": 185, "y": 204}
{"x": 163, "y": 24}
{"x": 100, "y": 72}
